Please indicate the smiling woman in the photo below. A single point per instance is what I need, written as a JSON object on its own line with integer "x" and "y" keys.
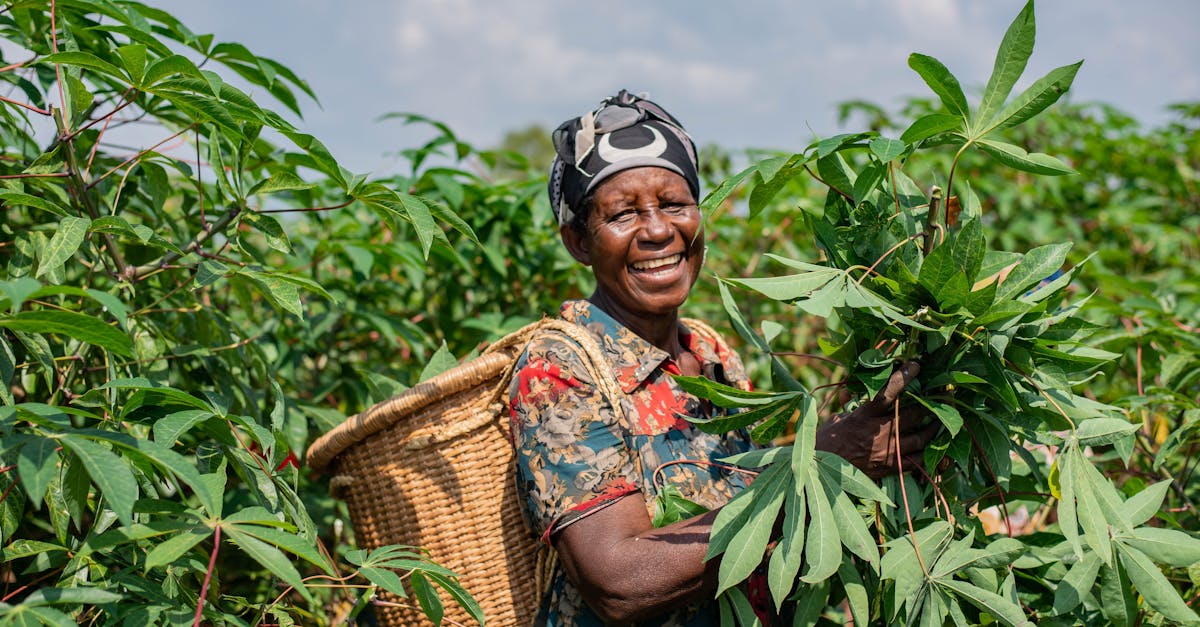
{"x": 594, "y": 450}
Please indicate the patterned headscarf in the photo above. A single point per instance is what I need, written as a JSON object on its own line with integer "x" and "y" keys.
{"x": 625, "y": 131}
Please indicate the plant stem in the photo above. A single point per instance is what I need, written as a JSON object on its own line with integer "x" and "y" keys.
{"x": 79, "y": 189}
{"x": 212, "y": 564}
{"x": 45, "y": 112}
{"x": 931, "y": 218}
{"x": 912, "y": 533}
{"x": 822, "y": 181}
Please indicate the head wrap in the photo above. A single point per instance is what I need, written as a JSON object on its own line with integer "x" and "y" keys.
{"x": 625, "y": 131}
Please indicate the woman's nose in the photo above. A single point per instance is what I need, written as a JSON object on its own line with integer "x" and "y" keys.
{"x": 656, "y": 225}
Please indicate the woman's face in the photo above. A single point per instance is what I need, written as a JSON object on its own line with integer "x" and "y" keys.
{"x": 644, "y": 241}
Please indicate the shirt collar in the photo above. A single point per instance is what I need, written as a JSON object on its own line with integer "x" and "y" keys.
{"x": 633, "y": 359}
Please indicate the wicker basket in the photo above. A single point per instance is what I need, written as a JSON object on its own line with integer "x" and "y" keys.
{"x": 432, "y": 468}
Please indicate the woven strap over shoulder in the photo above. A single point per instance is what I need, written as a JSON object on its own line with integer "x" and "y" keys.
{"x": 702, "y": 329}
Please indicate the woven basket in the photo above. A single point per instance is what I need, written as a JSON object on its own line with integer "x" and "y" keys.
{"x": 432, "y": 468}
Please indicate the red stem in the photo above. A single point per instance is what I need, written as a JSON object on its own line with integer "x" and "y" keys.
{"x": 307, "y": 209}
{"x": 25, "y": 105}
{"x": 912, "y": 533}
{"x": 212, "y": 564}
{"x": 136, "y": 157}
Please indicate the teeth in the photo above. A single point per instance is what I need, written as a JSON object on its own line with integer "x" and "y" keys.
{"x": 658, "y": 263}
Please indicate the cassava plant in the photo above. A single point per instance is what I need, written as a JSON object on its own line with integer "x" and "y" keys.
{"x": 155, "y": 319}
{"x": 1005, "y": 367}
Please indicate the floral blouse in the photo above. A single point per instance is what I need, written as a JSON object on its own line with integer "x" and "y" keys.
{"x": 575, "y": 457}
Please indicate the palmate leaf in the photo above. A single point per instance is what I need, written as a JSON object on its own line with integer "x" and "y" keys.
{"x": 1034, "y": 266}
{"x": 1164, "y": 546}
{"x": 1142, "y": 506}
{"x": 1118, "y": 602}
{"x": 427, "y": 597}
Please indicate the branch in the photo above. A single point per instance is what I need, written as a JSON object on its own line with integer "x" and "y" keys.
{"x": 24, "y": 105}
{"x": 823, "y": 182}
{"x": 308, "y": 209}
{"x": 217, "y": 227}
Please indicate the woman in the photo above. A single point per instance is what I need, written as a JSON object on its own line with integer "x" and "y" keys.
{"x": 625, "y": 187}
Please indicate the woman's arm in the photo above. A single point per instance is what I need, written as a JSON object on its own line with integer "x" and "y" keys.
{"x": 627, "y": 570}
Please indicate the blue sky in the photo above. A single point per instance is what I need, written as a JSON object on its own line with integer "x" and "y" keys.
{"x": 758, "y": 73}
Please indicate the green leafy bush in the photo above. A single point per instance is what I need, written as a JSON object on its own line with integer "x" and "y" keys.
{"x": 1002, "y": 348}
{"x": 167, "y": 319}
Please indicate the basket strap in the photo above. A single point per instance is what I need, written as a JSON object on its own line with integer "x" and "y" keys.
{"x": 701, "y": 328}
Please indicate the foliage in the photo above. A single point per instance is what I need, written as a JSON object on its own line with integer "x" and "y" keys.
{"x": 168, "y": 317}
{"x": 1003, "y": 349}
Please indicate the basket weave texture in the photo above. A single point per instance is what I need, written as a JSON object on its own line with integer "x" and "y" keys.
{"x": 432, "y": 468}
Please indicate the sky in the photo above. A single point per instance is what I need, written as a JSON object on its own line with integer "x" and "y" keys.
{"x": 750, "y": 74}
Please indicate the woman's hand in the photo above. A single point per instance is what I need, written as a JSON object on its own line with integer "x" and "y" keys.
{"x": 866, "y": 438}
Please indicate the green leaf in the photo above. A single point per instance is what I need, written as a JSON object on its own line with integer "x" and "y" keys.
{"x": 1117, "y": 599}
{"x": 441, "y": 361}
{"x": 930, "y": 125}
{"x": 1014, "y": 52}
{"x": 37, "y": 464}
{"x": 17, "y": 199}
{"x": 1035, "y": 265}
{"x": 169, "y": 66}
{"x": 854, "y": 533}
{"x": 289, "y": 541}
{"x": 886, "y": 149}
{"x": 1002, "y": 609}
{"x": 459, "y": 594}
{"x": 857, "y": 596}
{"x": 269, "y": 557}
{"x": 1077, "y": 584}
{"x": 742, "y": 609}
{"x": 942, "y": 82}
{"x": 787, "y": 557}
{"x": 281, "y": 181}
{"x": 71, "y": 596}
{"x": 270, "y": 228}
{"x": 133, "y": 57}
{"x": 85, "y": 59}
{"x": 384, "y": 578}
{"x": 1154, "y": 587}
{"x": 790, "y": 287}
{"x": 74, "y": 325}
{"x": 670, "y": 507}
{"x": 109, "y": 472}
{"x": 810, "y": 603}
{"x": 746, "y": 549}
{"x": 164, "y": 553}
{"x": 1100, "y": 431}
{"x": 168, "y": 429}
{"x": 173, "y": 394}
{"x": 1165, "y": 546}
{"x": 1142, "y": 506}
{"x": 1016, "y": 157}
{"x": 854, "y": 481}
{"x": 427, "y": 597}
{"x": 1091, "y": 516}
{"x": 822, "y": 549}
{"x": 422, "y": 220}
{"x": 67, "y": 239}
{"x": 1043, "y": 93}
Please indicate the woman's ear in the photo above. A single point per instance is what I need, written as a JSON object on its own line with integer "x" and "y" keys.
{"x": 577, "y": 244}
